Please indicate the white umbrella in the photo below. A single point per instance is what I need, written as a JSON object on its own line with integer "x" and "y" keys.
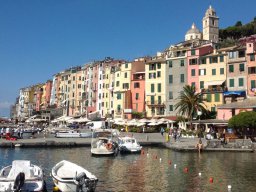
{"x": 153, "y": 124}
{"x": 140, "y": 124}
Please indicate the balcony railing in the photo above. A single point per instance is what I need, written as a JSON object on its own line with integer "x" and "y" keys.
{"x": 155, "y": 103}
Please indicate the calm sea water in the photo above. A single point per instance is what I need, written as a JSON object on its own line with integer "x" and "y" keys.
{"x": 147, "y": 173}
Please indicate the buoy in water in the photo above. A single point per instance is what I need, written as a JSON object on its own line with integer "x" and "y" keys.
{"x": 169, "y": 162}
{"x": 55, "y": 189}
{"x": 211, "y": 180}
{"x": 160, "y": 159}
{"x": 175, "y": 166}
{"x": 185, "y": 170}
{"x": 229, "y": 187}
{"x": 147, "y": 154}
{"x": 200, "y": 174}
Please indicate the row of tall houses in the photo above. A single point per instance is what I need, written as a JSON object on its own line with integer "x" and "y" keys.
{"x": 150, "y": 85}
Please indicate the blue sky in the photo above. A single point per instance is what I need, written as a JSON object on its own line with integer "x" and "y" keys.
{"x": 39, "y": 38}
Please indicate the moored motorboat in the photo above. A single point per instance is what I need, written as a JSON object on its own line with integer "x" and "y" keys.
{"x": 103, "y": 143}
{"x": 21, "y": 176}
{"x": 128, "y": 144}
{"x": 73, "y": 134}
{"x": 70, "y": 177}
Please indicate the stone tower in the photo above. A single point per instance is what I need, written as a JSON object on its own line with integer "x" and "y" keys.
{"x": 211, "y": 25}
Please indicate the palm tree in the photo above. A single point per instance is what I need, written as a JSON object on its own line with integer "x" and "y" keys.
{"x": 190, "y": 102}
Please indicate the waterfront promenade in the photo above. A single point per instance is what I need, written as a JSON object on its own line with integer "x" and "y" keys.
{"x": 145, "y": 139}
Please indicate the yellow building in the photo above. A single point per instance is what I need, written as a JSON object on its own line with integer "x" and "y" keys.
{"x": 155, "y": 86}
{"x": 122, "y": 91}
{"x": 212, "y": 72}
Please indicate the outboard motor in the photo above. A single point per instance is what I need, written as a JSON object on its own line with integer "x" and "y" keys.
{"x": 19, "y": 182}
{"x": 82, "y": 182}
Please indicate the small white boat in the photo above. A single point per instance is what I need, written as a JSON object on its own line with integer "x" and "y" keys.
{"x": 103, "y": 142}
{"x": 69, "y": 177}
{"x": 21, "y": 176}
{"x": 128, "y": 144}
{"x": 73, "y": 134}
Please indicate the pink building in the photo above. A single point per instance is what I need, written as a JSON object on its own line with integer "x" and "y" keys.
{"x": 48, "y": 89}
{"x": 193, "y": 60}
{"x": 138, "y": 86}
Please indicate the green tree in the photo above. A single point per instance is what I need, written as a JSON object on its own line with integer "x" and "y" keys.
{"x": 190, "y": 102}
{"x": 238, "y": 24}
{"x": 243, "y": 120}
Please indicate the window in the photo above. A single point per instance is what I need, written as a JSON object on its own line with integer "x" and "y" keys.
{"x": 253, "y": 84}
{"x": 241, "y": 54}
{"x": 222, "y": 71}
{"x": 217, "y": 97}
{"x": 159, "y": 87}
{"x": 119, "y": 96}
{"x": 213, "y": 71}
{"x": 170, "y": 79}
{"x": 240, "y": 82}
{"x": 119, "y": 108}
{"x": 192, "y": 61}
{"x": 137, "y": 96}
{"x": 152, "y": 75}
{"x": 152, "y": 88}
{"x": 231, "y": 68}
{"x": 152, "y": 67}
{"x": 193, "y": 72}
{"x": 221, "y": 58}
{"x": 202, "y": 72}
{"x": 125, "y": 85}
{"x": 159, "y": 100}
{"x": 241, "y": 67}
{"x": 214, "y": 60}
{"x": 158, "y": 73}
{"x": 182, "y": 78}
{"x": 231, "y": 83}
{"x": 136, "y": 85}
{"x": 117, "y": 84}
{"x": 232, "y": 55}
{"x": 125, "y": 75}
{"x": 170, "y": 63}
{"x": 158, "y": 65}
{"x": 126, "y": 65}
{"x": 193, "y": 84}
{"x": 152, "y": 99}
{"x": 193, "y": 52}
{"x": 201, "y": 84}
{"x": 251, "y": 70}
{"x": 209, "y": 97}
{"x": 170, "y": 95}
{"x": 252, "y": 57}
{"x": 203, "y": 61}
{"x": 74, "y": 78}
{"x": 182, "y": 63}
{"x": 170, "y": 107}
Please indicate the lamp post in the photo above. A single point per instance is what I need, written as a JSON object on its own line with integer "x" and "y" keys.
{"x": 199, "y": 113}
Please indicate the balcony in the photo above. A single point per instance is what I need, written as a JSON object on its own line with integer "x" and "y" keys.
{"x": 155, "y": 103}
{"x": 118, "y": 112}
{"x": 214, "y": 90}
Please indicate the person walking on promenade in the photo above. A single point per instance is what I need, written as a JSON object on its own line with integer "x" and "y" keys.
{"x": 162, "y": 131}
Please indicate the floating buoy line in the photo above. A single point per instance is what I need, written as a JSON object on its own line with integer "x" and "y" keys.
{"x": 185, "y": 170}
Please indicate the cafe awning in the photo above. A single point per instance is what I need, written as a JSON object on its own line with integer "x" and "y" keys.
{"x": 235, "y": 93}
{"x": 211, "y": 83}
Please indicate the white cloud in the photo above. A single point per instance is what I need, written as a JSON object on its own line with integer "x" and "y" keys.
{"x": 5, "y": 104}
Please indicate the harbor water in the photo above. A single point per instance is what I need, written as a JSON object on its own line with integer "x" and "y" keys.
{"x": 157, "y": 169}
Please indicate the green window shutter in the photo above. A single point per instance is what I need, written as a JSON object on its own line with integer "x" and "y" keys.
{"x": 217, "y": 97}
{"x": 241, "y": 82}
{"x": 170, "y": 63}
{"x": 137, "y": 96}
{"x": 170, "y": 79}
{"x": 159, "y": 100}
{"x": 170, "y": 107}
{"x": 193, "y": 52}
{"x": 193, "y": 72}
{"x": 221, "y": 58}
{"x": 241, "y": 67}
{"x": 222, "y": 71}
{"x": 253, "y": 84}
{"x": 231, "y": 83}
{"x": 201, "y": 84}
{"x": 159, "y": 65}
{"x": 209, "y": 97}
{"x": 210, "y": 59}
{"x": 231, "y": 68}
{"x": 158, "y": 73}
{"x": 252, "y": 57}
{"x": 126, "y": 65}
{"x": 181, "y": 63}
{"x": 152, "y": 88}
{"x": 152, "y": 99}
{"x": 213, "y": 71}
{"x": 170, "y": 95}
{"x": 182, "y": 79}
{"x": 159, "y": 87}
